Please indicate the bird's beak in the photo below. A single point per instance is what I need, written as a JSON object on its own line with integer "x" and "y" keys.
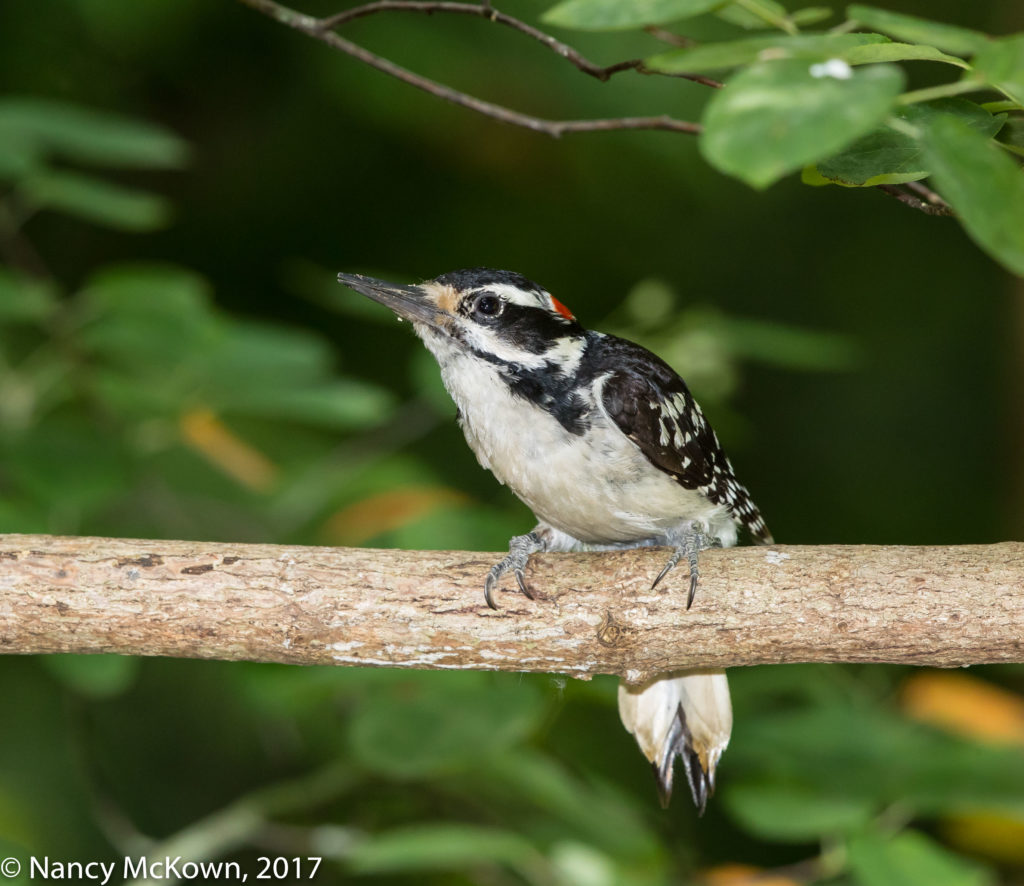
{"x": 412, "y": 303}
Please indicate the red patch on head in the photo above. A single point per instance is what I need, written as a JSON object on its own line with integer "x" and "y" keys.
{"x": 562, "y": 309}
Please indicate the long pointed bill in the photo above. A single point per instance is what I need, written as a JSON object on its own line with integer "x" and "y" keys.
{"x": 409, "y": 302}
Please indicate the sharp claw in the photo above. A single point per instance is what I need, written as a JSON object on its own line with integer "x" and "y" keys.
{"x": 668, "y": 568}
{"x": 519, "y": 551}
{"x": 693, "y": 578}
{"x": 521, "y": 580}
{"x": 690, "y": 546}
{"x": 488, "y": 588}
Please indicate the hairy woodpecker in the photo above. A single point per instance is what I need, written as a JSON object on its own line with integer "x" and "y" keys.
{"x": 605, "y": 444}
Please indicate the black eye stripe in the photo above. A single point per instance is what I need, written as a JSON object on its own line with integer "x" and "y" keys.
{"x": 530, "y": 327}
{"x": 533, "y": 329}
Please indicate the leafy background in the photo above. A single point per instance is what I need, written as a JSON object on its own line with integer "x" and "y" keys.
{"x": 180, "y": 182}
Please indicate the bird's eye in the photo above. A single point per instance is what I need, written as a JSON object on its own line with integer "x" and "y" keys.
{"x": 488, "y": 305}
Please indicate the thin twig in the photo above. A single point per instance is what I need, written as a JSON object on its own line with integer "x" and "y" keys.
{"x": 929, "y": 207}
{"x": 429, "y": 7}
{"x": 314, "y": 27}
{"x": 929, "y": 195}
{"x": 433, "y": 6}
{"x": 641, "y": 68}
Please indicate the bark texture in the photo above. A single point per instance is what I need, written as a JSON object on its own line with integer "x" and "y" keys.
{"x": 594, "y": 613}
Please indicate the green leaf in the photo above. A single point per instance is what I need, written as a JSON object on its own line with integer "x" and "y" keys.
{"x": 1001, "y": 106}
{"x": 261, "y": 370}
{"x": 593, "y": 812}
{"x": 340, "y": 404}
{"x": 909, "y": 859}
{"x": 811, "y": 15}
{"x": 899, "y": 52}
{"x": 19, "y": 156}
{"x": 769, "y": 13}
{"x": 796, "y": 814}
{"x": 610, "y": 15}
{"x": 440, "y": 847}
{"x": 740, "y": 15}
{"x": 776, "y": 117}
{"x": 144, "y": 316}
{"x": 829, "y": 742}
{"x": 47, "y": 464}
{"x": 424, "y": 724}
{"x": 24, "y": 298}
{"x": 1011, "y": 135}
{"x": 911, "y": 29}
{"x": 89, "y": 136}
{"x": 889, "y": 156}
{"x": 732, "y": 54}
{"x": 809, "y": 175}
{"x": 983, "y": 185}
{"x": 779, "y": 344}
{"x": 97, "y": 201}
{"x": 257, "y": 355}
{"x": 1001, "y": 63}
{"x": 97, "y": 676}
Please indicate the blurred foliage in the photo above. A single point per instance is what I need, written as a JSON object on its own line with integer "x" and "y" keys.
{"x": 210, "y": 380}
{"x": 825, "y": 101}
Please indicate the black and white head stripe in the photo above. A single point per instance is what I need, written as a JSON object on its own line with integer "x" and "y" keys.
{"x": 478, "y": 278}
{"x": 512, "y": 288}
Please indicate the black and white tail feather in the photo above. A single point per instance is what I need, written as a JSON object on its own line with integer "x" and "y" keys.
{"x": 605, "y": 443}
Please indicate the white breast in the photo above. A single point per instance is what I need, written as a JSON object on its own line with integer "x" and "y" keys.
{"x": 598, "y": 488}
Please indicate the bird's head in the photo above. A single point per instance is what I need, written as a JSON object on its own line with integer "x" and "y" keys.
{"x": 500, "y": 314}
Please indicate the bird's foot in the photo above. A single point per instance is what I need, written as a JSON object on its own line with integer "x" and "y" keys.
{"x": 520, "y": 549}
{"x": 689, "y": 543}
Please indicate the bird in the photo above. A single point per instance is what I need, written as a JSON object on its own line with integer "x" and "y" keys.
{"x": 604, "y": 442}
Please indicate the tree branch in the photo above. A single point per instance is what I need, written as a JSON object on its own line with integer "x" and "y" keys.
{"x": 923, "y": 199}
{"x": 320, "y": 29}
{"x": 595, "y": 613}
{"x": 567, "y": 52}
{"x": 928, "y": 202}
{"x": 433, "y": 6}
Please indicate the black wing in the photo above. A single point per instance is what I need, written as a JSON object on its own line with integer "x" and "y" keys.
{"x": 652, "y": 406}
